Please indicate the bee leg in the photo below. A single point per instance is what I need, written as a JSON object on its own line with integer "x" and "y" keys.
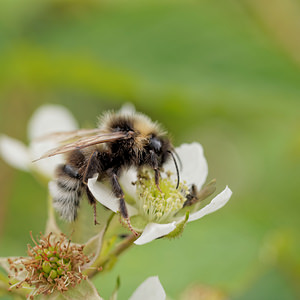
{"x": 157, "y": 176}
{"x": 92, "y": 167}
{"x": 197, "y": 196}
{"x": 117, "y": 190}
{"x": 93, "y": 202}
{"x": 191, "y": 197}
{"x": 154, "y": 164}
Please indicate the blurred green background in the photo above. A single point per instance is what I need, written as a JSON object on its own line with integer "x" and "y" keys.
{"x": 224, "y": 73}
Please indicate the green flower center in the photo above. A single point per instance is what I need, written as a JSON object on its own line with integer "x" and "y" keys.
{"x": 52, "y": 264}
{"x": 156, "y": 206}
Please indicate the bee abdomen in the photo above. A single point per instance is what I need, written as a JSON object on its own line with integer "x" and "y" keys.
{"x": 66, "y": 192}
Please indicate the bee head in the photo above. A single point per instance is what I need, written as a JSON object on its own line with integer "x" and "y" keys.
{"x": 144, "y": 135}
{"x": 160, "y": 147}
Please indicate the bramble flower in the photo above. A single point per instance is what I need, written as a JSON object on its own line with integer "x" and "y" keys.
{"x": 156, "y": 214}
{"x": 46, "y": 119}
{"x": 53, "y": 265}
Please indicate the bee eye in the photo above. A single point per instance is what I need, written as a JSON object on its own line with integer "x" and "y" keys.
{"x": 155, "y": 144}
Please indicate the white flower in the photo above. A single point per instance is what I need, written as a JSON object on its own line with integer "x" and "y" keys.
{"x": 46, "y": 119}
{"x": 150, "y": 289}
{"x": 161, "y": 211}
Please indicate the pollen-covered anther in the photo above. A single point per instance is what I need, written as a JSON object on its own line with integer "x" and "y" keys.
{"x": 53, "y": 264}
{"x": 159, "y": 206}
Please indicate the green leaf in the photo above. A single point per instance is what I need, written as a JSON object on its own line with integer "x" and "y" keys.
{"x": 85, "y": 290}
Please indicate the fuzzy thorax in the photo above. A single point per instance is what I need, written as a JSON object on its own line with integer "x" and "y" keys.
{"x": 138, "y": 122}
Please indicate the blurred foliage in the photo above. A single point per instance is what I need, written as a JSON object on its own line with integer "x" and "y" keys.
{"x": 224, "y": 73}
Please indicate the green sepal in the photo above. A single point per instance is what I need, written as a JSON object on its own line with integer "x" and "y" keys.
{"x": 179, "y": 227}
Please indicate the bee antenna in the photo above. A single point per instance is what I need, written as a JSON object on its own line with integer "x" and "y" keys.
{"x": 178, "y": 158}
{"x": 177, "y": 170}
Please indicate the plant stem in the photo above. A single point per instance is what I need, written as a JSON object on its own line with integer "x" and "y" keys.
{"x": 102, "y": 262}
{"x": 51, "y": 225}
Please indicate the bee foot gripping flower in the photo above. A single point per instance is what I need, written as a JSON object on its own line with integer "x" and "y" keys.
{"x": 53, "y": 264}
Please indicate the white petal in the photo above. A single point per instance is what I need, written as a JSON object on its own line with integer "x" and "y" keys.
{"x": 132, "y": 211}
{"x": 153, "y": 231}
{"x": 193, "y": 166}
{"x": 45, "y": 166}
{"x": 150, "y": 289}
{"x": 50, "y": 118}
{"x": 218, "y": 202}
{"x": 126, "y": 180}
{"x": 15, "y": 153}
{"x": 103, "y": 194}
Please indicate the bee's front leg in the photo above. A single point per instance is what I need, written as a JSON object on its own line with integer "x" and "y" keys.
{"x": 154, "y": 165}
{"x": 117, "y": 190}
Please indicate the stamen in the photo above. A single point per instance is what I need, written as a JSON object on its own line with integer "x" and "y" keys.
{"x": 155, "y": 206}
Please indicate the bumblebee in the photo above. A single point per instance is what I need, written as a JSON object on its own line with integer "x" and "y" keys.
{"x": 121, "y": 141}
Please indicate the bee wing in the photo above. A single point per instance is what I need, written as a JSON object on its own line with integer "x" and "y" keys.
{"x": 64, "y": 136}
{"x": 85, "y": 142}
